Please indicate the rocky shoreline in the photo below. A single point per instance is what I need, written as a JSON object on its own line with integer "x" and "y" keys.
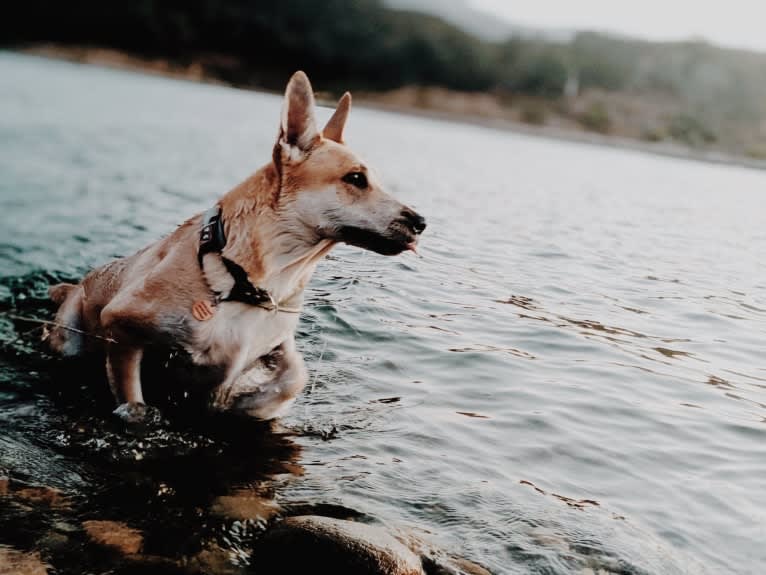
{"x": 289, "y": 544}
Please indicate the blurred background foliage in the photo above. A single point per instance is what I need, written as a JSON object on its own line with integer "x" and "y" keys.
{"x": 688, "y": 92}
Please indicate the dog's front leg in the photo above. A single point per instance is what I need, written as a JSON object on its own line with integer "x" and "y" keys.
{"x": 123, "y": 368}
{"x": 121, "y": 320}
{"x": 267, "y": 387}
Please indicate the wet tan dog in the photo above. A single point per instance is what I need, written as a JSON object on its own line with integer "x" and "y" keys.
{"x": 227, "y": 285}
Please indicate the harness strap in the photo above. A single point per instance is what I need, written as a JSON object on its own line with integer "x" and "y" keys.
{"x": 212, "y": 239}
{"x": 243, "y": 290}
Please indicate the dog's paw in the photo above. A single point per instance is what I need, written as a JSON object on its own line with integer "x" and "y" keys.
{"x": 138, "y": 414}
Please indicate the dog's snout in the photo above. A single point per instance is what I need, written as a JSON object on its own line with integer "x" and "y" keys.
{"x": 414, "y": 220}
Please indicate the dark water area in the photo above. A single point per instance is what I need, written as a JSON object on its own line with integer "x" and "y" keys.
{"x": 569, "y": 378}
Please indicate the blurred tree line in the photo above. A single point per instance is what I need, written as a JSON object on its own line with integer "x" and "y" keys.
{"x": 362, "y": 44}
{"x": 356, "y": 43}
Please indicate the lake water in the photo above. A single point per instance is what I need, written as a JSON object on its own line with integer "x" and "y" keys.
{"x": 570, "y": 376}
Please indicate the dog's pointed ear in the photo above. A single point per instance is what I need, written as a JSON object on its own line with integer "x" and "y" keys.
{"x": 333, "y": 130}
{"x": 298, "y": 129}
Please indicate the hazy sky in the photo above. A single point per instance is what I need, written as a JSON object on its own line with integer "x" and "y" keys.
{"x": 738, "y": 23}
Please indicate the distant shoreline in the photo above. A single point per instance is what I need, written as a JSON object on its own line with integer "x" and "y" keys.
{"x": 399, "y": 102}
{"x": 663, "y": 149}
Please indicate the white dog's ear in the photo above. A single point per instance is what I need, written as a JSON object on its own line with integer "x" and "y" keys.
{"x": 334, "y": 128}
{"x": 298, "y": 131}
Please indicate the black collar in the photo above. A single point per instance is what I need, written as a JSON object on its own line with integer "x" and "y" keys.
{"x": 212, "y": 239}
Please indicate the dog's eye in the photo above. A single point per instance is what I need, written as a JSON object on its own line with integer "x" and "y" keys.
{"x": 357, "y": 179}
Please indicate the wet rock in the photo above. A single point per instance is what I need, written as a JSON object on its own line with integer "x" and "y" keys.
{"x": 433, "y": 567}
{"x": 213, "y": 559}
{"x": 64, "y": 527}
{"x": 452, "y": 566}
{"x": 245, "y": 504}
{"x": 138, "y": 415}
{"x": 114, "y": 535}
{"x": 549, "y": 539}
{"x": 325, "y": 510}
{"x": 469, "y": 567}
{"x": 14, "y": 562}
{"x": 47, "y": 496}
{"x": 155, "y": 564}
{"x": 53, "y": 541}
{"x": 438, "y": 562}
{"x": 313, "y": 544}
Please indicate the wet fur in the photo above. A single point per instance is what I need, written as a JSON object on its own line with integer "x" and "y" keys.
{"x": 279, "y": 223}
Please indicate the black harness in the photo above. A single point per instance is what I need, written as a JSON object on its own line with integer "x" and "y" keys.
{"x": 212, "y": 240}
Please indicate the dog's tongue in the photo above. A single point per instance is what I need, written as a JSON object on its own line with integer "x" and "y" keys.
{"x": 412, "y": 246}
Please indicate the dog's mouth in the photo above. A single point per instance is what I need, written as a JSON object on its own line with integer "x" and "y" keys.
{"x": 395, "y": 240}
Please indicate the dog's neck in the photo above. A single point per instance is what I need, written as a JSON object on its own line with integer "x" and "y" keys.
{"x": 278, "y": 255}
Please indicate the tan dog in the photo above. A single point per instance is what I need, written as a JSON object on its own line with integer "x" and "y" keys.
{"x": 227, "y": 285}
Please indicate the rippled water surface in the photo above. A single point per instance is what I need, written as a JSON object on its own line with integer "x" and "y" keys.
{"x": 570, "y": 376}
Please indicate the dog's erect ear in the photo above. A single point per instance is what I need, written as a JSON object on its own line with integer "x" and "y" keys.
{"x": 298, "y": 129}
{"x": 334, "y": 128}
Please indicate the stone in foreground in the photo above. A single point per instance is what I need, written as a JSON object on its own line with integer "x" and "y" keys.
{"x": 14, "y": 562}
{"x": 114, "y": 535}
{"x": 313, "y": 544}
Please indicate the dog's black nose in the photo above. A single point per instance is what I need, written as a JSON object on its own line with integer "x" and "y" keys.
{"x": 414, "y": 220}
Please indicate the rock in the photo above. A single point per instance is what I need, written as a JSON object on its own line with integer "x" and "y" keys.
{"x": 245, "y": 504}
{"x": 155, "y": 564}
{"x": 48, "y": 496}
{"x": 435, "y": 567}
{"x": 53, "y": 541}
{"x": 549, "y": 539}
{"x": 14, "y": 562}
{"x": 439, "y": 563}
{"x": 313, "y": 544}
{"x": 213, "y": 559}
{"x": 64, "y": 527}
{"x": 469, "y": 567}
{"x": 115, "y": 535}
{"x": 138, "y": 416}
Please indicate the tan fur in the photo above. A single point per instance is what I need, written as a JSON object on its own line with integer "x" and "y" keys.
{"x": 279, "y": 223}
{"x": 59, "y": 293}
{"x": 333, "y": 130}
